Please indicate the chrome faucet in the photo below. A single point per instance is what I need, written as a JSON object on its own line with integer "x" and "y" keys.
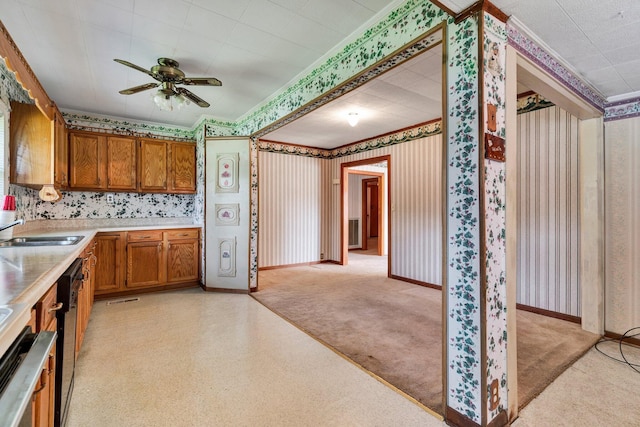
{"x": 11, "y": 224}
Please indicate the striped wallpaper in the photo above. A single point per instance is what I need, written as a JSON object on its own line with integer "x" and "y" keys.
{"x": 290, "y": 209}
{"x": 548, "y": 218}
{"x": 622, "y": 225}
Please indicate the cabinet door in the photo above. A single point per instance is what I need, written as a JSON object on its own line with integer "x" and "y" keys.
{"x": 109, "y": 275}
{"x": 152, "y": 168}
{"x": 31, "y": 136}
{"x": 183, "y": 168}
{"x": 121, "y": 163}
{"x": 61, "y": 153}
{"x": 145, "y": 264}
{"x": 87, "y": 161}
{"x": 182, "y": 260}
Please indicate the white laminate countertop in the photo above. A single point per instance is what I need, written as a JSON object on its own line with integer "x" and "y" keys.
{"x": 26, "y": 273}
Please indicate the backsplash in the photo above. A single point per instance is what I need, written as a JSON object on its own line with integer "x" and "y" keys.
{"x": 92, "y": 205}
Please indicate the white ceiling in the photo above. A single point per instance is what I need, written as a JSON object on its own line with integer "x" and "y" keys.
{"x": 257, "y": 47}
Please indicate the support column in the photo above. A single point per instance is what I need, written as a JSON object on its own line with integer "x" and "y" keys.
{"x": 476, "y": 291}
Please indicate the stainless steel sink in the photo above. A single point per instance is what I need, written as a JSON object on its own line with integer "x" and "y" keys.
{"x": 41, "y": 241}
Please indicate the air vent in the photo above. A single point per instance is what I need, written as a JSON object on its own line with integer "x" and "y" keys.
{"x": 122, "y": 301}
{"x": 354, "y": 232}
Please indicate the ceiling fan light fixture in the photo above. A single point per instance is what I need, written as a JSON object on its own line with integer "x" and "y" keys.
{"x": 353, "y": 118}
{"x": 181, "y": 101}
{"x": 162, "y": 100}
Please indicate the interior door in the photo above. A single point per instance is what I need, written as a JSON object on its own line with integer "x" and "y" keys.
{"x": 373, "y": 208}
{"x": 227, "y": 213}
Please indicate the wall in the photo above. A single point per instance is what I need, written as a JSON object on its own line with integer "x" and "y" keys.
{"x": 290, "y": 209}
{"x": 416, "y": 199}
{"x": 548, "y": 217}
{"x": 622, "y": 225}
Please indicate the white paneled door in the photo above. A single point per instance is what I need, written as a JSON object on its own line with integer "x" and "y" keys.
{"x": 227, "y": 213}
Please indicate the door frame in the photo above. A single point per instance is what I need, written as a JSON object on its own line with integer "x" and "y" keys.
{"x": 365, "y": 205}
{"x": 344, "y": 200}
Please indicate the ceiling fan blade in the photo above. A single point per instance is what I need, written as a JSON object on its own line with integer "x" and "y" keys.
{"x": 137, "y": 89}
{"x": 201, "y": 81}
{"x": 192, "y": 97}
{"x": 135, "y": 67}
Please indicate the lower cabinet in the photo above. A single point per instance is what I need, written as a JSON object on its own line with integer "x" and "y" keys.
{"x": 146, "y": 261}
{"x": 85, "y": 293}
{"x": 43, "y": 396}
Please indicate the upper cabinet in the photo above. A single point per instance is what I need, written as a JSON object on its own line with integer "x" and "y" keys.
{"x": 35, "y": 144}
{"x": 152, "y": 168}
{"x": 105, "y": 162}
{"x": 183, "y": 168}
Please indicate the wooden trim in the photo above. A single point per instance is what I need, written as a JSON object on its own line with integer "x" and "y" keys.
{"x": 224, "y": 290}
{"x": 149, "y": 290}
{"x": 291, "y": 144}
{"x": 455, "y": 418}
{"x": 474, "y": 8}
{"x": 443, "y": 7}
{"x": 549, "y": 313}
{"x": 300, "y": 264}
{"x": 627, "y": 340}
{"x": 17, "y": 63}
{"x": 416, "y": 282}
{"x": 500, "y": 420}
{"x": 493, "y": 10}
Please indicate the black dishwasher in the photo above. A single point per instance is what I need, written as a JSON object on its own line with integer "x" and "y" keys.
{"x": 68, "y": 286}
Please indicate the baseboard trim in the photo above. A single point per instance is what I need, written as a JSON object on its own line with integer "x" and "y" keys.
{"x": 455, "y": 418}
{"x": 149, "y": 290}
{"x": 300, "y": 264}
{"x": 549, "y": 313}
{"x": 330, "y": 261}
{"x": 416, "y": 282}
{"x": 627, "y": 340}
{"x": 225, "y": 290}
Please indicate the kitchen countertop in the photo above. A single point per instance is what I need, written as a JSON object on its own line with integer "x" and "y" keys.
{"x": 26, "y": 273}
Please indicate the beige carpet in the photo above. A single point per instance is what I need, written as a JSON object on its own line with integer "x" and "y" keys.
{"x": 393, "y": 328}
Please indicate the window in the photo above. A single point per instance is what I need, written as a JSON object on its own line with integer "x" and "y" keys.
{"x": 3, "y": 157}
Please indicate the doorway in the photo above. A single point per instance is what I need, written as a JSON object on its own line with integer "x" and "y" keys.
{"x": 365, "y": 206}
{"x": 371, "y": 214}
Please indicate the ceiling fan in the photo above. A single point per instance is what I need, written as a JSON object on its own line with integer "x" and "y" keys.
{"x": 169, "y": 75}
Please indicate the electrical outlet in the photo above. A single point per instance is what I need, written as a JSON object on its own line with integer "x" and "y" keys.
{"x": 322, "y": 255}
{"x": 110, "y": 199}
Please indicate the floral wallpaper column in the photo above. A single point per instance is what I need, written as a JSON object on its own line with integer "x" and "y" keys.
{"x": 463, "y": 339}
{"x": 494, "y": 39}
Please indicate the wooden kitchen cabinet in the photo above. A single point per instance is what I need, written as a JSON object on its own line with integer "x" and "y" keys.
{"x": 43, "y": 400}
{"x": 110, "y": 268}
{"x": 152, "y": 166}
{"x": 145, "y": 261}
{"x": 87, "y": 161}
{"x": 121, "y": 163}
{"x": 85, "y": 293}
{"x": 183, "y": 167}
{"x": 31, "y": 136}
{"x": 61, "y": 153}
{"x": 183, "y": 255}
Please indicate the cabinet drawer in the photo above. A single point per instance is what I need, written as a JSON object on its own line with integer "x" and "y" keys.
{"x": 191, "y": 233}
{"x": 46, "y": 308}
{"x": 144, "y": 236}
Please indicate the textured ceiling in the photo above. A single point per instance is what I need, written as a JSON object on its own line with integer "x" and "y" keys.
{"x": 257, "y": 47}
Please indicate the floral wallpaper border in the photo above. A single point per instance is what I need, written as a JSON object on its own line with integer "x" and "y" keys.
{"x": 619, "y": 110}
{"x": 547, "y": 62}
{"x": 418, "y": 132}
